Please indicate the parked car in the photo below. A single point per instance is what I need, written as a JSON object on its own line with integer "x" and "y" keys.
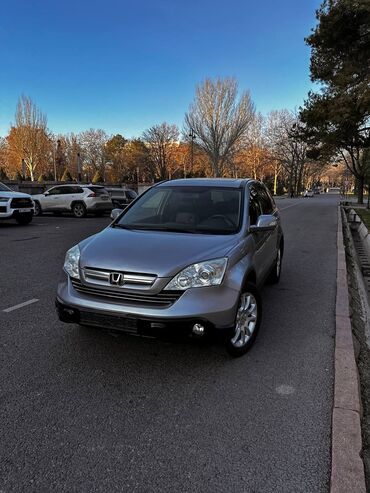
{"x": 15, "y": 205}
{"x": 121, "y": 197}
{"x": 78, "y": 199}
{"x": 334, "y": 190}
{"x": 308, "y": 193}
{"x": 186, "y": 255}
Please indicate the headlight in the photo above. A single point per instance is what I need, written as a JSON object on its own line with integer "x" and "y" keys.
{"x": 208, "y": 273}
{"x": 4, "y": 199}
{"x": 71, "y": 262}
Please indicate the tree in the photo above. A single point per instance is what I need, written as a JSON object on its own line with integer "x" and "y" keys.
{"x": 283, "y": 135}
{"x": 161, "y": 140}
{"x": 219, "y": 120}
{"x": 28, "y": 138}
{"x": 93, "y": 143}
{"x": 337, "y": 117}
{"x": 3, "y": 175}
{"x": 67, "y": 175}
{"x": 98, "y": 178}
{"x": 114, "y": 152}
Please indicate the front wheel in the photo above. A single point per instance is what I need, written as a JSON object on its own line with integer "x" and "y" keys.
{"x": 79, "y": 210}
{"x": 38, "y": 210}
{"x": 24, "y": 218}
{"x": 247, "y": 323}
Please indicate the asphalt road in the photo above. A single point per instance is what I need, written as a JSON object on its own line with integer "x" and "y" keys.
{"x": 81, "y": 410}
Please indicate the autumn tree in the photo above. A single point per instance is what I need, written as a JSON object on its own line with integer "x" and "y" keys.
{"x": 115, "y": 157}
{"x": 161, "y": 141}
{"x": 219, "y": 120}
{"x": 28, "y": 137}
{"x": 337, "y": 117}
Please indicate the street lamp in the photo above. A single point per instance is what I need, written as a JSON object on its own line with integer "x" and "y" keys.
{"x": 192, "y": 136}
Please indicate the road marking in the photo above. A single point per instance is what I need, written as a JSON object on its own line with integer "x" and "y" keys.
{"x": 285, "y": 390}
{"x": 287, "y": 207}
{"x": 21, "y": 305}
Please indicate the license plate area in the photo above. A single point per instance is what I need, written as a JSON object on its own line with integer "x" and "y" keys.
{"x": 23, "y": 210}
{"x": 125, "y": 324}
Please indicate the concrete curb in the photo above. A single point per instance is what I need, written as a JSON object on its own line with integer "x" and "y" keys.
{"x": 347, "y": 468}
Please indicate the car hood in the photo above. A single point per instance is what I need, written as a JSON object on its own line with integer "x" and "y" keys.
{"x": 160, "y": 253}
{"x": 15, "y": 195}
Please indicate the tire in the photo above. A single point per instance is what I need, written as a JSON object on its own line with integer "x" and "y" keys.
{"x": 79, "y": 210}
{"x": 24, "y": 219}
{"x": 244, "y": 335}
{"x": 275, "y": 274}
{"x": 38, "y": 210}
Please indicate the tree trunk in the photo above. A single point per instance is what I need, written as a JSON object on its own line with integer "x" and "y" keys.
{"x": 275, "y": 181}
{"x": 360, "y": 190}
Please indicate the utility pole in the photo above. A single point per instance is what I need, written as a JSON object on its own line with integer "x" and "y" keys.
{"x": 78, "y": 167}
{"x": 192, "y": 136}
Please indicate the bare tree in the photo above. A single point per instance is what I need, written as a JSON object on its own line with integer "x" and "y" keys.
{"x": 161, "y": 141}
{"x": 219, "y": 120}
{"x": 28, "y": 138}
{"x": 92, "y": 143}
{"x": 286, "y": 146}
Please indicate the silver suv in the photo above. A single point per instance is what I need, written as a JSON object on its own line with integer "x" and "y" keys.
{"x": 78, "y": 199}
{"x": 187, "y": 255}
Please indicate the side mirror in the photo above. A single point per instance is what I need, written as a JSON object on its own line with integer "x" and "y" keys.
{"x": 46, "y": 194}
{"x": 266, "y": 222}
{"x": 115, "y": 213}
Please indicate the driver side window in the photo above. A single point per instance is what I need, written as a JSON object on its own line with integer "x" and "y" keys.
{"x": 254, "y": 207}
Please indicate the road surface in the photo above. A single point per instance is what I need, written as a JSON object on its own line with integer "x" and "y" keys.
{"x": 84, "y": 411}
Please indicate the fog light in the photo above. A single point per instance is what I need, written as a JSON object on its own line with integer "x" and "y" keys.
{"x": 198, "y": 329}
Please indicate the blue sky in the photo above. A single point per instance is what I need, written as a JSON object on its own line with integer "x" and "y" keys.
{"x": 126, "y": 65}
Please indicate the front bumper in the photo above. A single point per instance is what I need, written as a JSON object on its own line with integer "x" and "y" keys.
{"x": 7, "y": 212}
{"x": 212, "y": 306}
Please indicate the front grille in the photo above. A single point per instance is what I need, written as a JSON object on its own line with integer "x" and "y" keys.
{"x": 2, "y": 208}
{"x": 160, "y": 300}
{"x": 18, "y": 203}
{"x": 101, "y": 277}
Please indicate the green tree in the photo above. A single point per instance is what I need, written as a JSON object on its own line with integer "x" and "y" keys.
{"x": 337, "y": 117}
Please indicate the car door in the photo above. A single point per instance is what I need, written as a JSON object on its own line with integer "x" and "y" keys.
{"x": 265, "y": 241}
{"x": 50, "y": 199}
{"x": 73, "y": 193}
{"x": 270, "y": 237}
{"x": 60, "y": 199}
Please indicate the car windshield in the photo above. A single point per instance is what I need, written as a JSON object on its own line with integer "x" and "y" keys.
{"x": 206, "y": 210}
{"x": 4, "y": 188}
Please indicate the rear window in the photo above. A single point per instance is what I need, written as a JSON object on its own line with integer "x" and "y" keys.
{"x": 98, "y": 190}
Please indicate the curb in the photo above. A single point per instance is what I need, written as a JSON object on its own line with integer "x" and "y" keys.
{"x": 347, "y": 468}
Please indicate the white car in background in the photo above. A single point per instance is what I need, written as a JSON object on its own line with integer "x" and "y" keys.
{"x": 308, "y": 193}
{"x": 75, "y": 198}
{"x": 15, "y": 205}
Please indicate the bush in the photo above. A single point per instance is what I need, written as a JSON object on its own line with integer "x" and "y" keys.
{"x": 67, "y": 176}
{"x": 97, "y": 177}
{"x": 3, "y": 175}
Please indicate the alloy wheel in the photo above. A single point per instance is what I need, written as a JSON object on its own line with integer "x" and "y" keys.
{"x": 246, "y": 320}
